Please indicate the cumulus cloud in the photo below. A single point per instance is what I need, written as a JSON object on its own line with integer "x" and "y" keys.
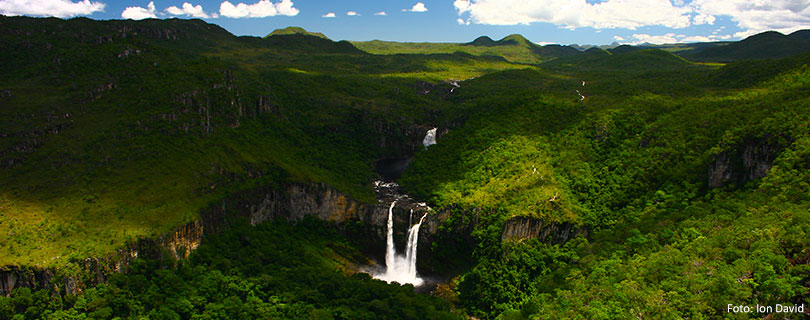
{"x": 52, "y": 8}
{"x": 381, "y": 13}
{"x": 671, "y": 38}
{"x": 188, "y": 9}
{"x": 658, "y": 39}
{"x": 418, "y": 7}
{"x": 628, "y": 14}
{"x": 261, "y": 9}
{"x": 753, "y": 16}
{"x": 139, "y": 13}
{"x": 329, "y": 15}
{"x": 351, "y": 13}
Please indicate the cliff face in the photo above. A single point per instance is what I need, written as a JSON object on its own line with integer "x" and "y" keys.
{"x": 748, "y": 161}
{"x": 291, "y": 202}
{"x": 520, "y": 228}
{"x": 93, "y": 271}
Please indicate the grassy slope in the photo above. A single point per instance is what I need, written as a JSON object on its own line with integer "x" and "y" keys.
{"x": 271, "y": 271}
{"x": 514, "y": 48}
{"x": 630, "y": 162}
{"x": 107, "y": 139}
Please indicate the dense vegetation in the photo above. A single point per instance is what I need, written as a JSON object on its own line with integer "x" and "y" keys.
{"x": 630, "y": 164}
{"x": 124, "y": 129}
{"x": 271, "y": 271}
{"x": 689, "y": 181}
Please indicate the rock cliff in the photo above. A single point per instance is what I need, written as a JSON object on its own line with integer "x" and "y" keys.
{"x": 520, "y": 228}
{"x": 745, "y": 162}
{"x": 291, "y": 202}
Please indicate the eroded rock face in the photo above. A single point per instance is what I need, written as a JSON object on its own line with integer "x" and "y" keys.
{"x": 521, "y": 228}
{"x": 291, "y": 202}
{"x": 94, "y": 271}
{"x": 748, "y": 161}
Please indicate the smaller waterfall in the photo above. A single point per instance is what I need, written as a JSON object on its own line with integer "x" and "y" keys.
{"x": 430, "y": 138}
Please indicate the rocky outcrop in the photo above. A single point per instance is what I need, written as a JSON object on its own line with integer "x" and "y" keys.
{"x": 292, "y": 202}
{"x": 298, "y": 200}
{"x": 93, "y": 271}
{"x": 745, "y": 162}
{"x": 520, "y": 228}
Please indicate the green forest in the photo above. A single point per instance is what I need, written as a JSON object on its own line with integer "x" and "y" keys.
{"x": 664, "y": 186}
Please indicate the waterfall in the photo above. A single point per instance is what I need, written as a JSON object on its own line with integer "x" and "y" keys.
{"x": 398, "y": 268}
{"x": 410, "y": 252}
{"x": 390, "y": 250}
{"x": 430, "y": 138}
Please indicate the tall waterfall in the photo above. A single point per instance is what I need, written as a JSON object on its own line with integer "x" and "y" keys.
{"x": 398, "y": 268}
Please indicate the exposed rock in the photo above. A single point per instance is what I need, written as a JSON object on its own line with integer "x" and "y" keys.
{"x": 748, "y": 161}
{"x": 292, "y": 202}
{"x": 94, "y": 271}
{"x": 520, "y": 228}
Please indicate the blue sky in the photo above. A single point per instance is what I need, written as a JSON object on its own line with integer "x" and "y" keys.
{"x": 542, "y": 21}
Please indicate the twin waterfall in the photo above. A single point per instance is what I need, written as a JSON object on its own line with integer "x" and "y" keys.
{"x": 398, "y": 268}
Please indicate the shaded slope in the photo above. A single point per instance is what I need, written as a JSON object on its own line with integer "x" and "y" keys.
{"x": 296, "y": 30}
{"x": 761, "y": 46}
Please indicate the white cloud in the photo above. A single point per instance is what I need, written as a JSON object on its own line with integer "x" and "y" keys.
{"x": 545, "y": 43}
{"x": 329, "y": 15}
{"x": 188, "y": 9}
{"x": 418, "y": 7}
{"x": 703, "y": 18}
{"x": 139, "y": 13}
{"x": 351, "y": 13}
{"x": 52, "y": 8}
{"x": 261, "y": 9}
{"x": 671, "y": 38}
{"x": 753, "y": 16}
{"x": 660, "y": 39}
{"x": 629, "y": 14}
{"x": 381, "y": 13}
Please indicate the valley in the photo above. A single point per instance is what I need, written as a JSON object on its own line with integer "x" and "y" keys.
{"x": 169, "y": 169}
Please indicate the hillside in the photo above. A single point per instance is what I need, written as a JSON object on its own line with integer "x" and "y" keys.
{"x": 124, "y": 155}
{"x": 514, "y": 48}
{"x": 296, "y": 30}
{"x": 169, "y": 169}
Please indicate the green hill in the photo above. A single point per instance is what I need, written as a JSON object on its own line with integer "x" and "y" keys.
{"x": 766, "y": 45}
{"x": 603, "y": 184}
{"x": 514, "y": 48}
{"x": 296, "y": 30}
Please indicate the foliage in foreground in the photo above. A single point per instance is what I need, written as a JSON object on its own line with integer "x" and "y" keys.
{"x": 272, "y": 271}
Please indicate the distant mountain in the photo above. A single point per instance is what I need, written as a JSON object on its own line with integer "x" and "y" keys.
{"x": 309, "y": 43}
{"x": 624, "y": 48}
{"x": 766, "y": 45}
{"x": 510, "y": 40}
{"x": 556, "y": 50}
{"x": 516, "y": 40}
{"x": 483, "y": 41}
{"x": 296, "y": 30}
{"x": 585, "y": 47}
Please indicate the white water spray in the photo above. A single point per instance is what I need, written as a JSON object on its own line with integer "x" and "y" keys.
{"x": 430, "y": 138}
{"x": 398, "y": 268}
